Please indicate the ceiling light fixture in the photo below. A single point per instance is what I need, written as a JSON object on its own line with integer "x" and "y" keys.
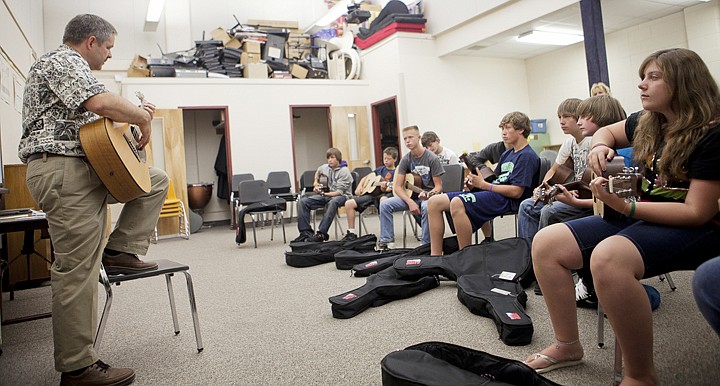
{"x": 152, "y": 18}
{"x": 550, "y": 38}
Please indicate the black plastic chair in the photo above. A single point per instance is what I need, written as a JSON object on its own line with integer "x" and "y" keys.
{"x": 362, "y": 171}
{"x": 279, "y": 185}
{"x": 234, "y": 193}
{"x": 254, "y": 192}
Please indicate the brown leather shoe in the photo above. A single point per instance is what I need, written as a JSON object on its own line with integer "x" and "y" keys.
{"x": 125, "y": 263}
{"x": 99, "y": 374}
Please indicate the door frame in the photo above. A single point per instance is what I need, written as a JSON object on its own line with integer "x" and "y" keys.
{"x": 376, "y": 128}
{"x": 228, "y": 148}
{"x": 292, "y": 134}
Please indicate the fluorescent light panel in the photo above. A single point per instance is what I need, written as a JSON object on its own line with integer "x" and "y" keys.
{"x": 154, "y": 11}
{"x": 550, "y": 38}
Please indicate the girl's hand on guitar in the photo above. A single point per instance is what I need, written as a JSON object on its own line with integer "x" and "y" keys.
{"x": 598, "y": 157}
{"x": 599, "y": 188}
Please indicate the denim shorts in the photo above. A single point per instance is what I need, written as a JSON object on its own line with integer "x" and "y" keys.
{"x": 663, "y": 248}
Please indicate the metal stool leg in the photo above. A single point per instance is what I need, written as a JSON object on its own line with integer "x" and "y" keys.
{"x": 193, "y": 310}
{"x": 173, "y": 310}
{"x": 106, "y": 309}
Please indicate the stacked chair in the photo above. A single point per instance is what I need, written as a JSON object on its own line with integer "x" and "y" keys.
{"x": 173, "y": 207}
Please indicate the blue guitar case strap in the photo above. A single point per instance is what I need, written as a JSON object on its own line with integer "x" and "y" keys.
{"x": 380, "y": 288}
{"x": 439, "y": 363}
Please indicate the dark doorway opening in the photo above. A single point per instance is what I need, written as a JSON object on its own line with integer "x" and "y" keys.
{"x": 385, "y": 127}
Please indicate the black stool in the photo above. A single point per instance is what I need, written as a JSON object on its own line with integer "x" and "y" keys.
{"x": 165, "y": 267}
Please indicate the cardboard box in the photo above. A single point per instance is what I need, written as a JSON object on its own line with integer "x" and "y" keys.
{"x": 249, "y": 57}
{"x": 233, "y": 43}
{"x": 298, "y": 71}
{"x": 255, "y": 71}
{"x": 298, "y": 46}
{"x": 251, "y": 46}
{"x": 220, "y": 34}
{"x": 139, "y": 68}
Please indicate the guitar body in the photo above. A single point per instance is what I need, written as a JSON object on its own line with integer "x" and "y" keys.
{"x": 413, "y": 185}
{"x": 323, "y": 183}
{"x": 486, "y": 172}
{"x": 549, "y": 190}
{"x": 372, "y": 185}
{"x": 114, "y": 157}
{"x": 563, "y": 173}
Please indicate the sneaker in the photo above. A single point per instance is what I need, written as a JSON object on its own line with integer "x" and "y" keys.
{"x": 349, "y": 236}
{"x": 537, "y": 290}
{"x": 318, "y": 237}
{"x": 302, "y": 237}
{"x": 382, "y": 246}
{"x": 99, "y": 374}
{"x": 125, "y": 263}
{"x": 583, "y": 297}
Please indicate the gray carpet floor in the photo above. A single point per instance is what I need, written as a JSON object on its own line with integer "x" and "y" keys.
{"x": 266, "y": 323}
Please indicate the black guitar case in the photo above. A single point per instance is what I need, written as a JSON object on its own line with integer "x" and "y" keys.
{"x": 438, "y": 363}
{"x": 348, "y": 258}
{"x": 308, "y": 254}
{"x": 488, "y": 277}
{"x": 380, "y": 288}
{"x": 511, "y": 255}
{"x": 502, "y": 301}
{"x": 450, "y": 245}
{"x": 271, "y": 204}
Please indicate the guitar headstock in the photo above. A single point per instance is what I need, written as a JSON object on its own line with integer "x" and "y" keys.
{"x": 627, "y": 184}
{"x": 140, "y": 96}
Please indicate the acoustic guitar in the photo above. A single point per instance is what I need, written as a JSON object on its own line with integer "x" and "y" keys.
{"x": 372, "y": 185}
{"x": 413, "y": 186}
{"x": 112, "y": 152}
{"x": 323, "y": 183}
{"x": 548, "y": 190}
{"x": 627, "y": 184}
{"x": 486, "y": 172}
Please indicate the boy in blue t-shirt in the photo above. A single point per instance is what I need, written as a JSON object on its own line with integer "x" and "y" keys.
{"x": 363, "y": 201}
{"x": 517, "y": 172}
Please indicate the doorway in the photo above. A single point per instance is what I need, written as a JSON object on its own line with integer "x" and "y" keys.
{"x": 385, "y": 127}
{"x": 311, "y": 137}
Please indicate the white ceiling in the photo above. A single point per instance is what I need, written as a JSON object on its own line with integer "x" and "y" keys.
{"x": 617, "y": 15}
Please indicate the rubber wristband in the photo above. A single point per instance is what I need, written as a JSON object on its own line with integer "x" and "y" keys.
{"x": 632, "y": 209}
{"x": 598, "y": 145}
{"x": 491, "y": 186}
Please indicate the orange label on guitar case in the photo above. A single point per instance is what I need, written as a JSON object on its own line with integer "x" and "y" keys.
{"x": 371, "y": 264}
{"x": 349, "y": 296}
{"x": 512, "y": 315}
{"x": 413, "y": 262}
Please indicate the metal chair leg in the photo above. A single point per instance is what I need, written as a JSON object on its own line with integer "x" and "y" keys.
{"x": 193, "y": 310}
{"x": 106, "y": 309}
{"x": 173, "y": 310}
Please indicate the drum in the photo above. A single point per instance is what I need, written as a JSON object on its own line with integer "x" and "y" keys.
{"x": 199, "y": 195}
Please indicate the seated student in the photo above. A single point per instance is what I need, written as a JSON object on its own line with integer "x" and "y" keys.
{"x": 333, "y": 195}
{"x": 517, "y": 173}
{"x": 431, "y": 141}
{"x": 478, "y": 159}
{"x": 418, "y": 163}
{"x": 676, "y": 141}
{"x": 362, "y": 202}
{"x": 580, "y": 120}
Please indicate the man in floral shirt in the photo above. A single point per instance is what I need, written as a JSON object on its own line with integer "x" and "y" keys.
{"x": 61, "y": 95}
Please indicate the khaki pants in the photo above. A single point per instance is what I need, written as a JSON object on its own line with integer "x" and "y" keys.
{"x": 75, "y": 201}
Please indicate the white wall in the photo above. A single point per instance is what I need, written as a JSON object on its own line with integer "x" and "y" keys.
{"x": 562, "y": 74}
